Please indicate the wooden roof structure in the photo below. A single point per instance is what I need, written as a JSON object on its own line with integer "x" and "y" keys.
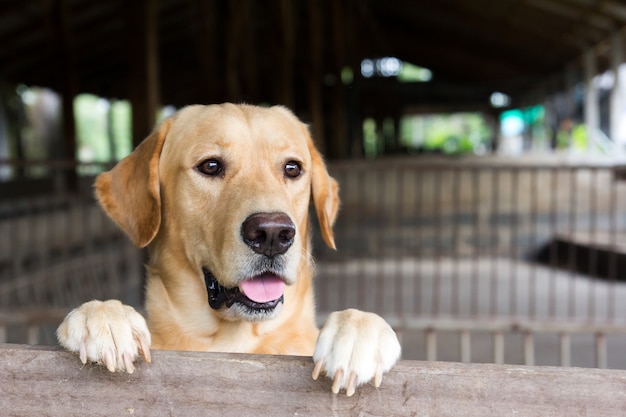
{"x": 292, "y": 52}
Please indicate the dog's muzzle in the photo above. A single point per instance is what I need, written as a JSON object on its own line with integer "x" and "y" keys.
{"x": 261, "y": 293}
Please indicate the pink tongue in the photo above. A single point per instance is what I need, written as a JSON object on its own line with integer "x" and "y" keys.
{"x": 263, "y": 289}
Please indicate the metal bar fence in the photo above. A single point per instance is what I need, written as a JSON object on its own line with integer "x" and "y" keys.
{"x": 455, "y": 247}
{"x": 468, "y": 261}
{"x": 57, "y": 250}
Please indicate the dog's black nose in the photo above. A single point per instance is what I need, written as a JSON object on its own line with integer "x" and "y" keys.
{"x": 270, "y": 234}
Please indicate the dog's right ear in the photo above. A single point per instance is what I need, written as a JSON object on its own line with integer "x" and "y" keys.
{"x": 130, "y": 192}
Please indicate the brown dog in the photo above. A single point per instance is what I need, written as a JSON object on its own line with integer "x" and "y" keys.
{"x": 220, "y": 195}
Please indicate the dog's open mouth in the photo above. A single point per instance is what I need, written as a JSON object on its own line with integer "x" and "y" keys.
{"x": 262, "y": 292}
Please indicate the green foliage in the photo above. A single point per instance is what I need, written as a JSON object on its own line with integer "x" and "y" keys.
{"x": 370, "y": 138}
{"x": 122, "y": 128}
{"x": 91, "y": 128}
{"x": 410, "y": 73}
{"x": 103, "y": 128}
{"x": 580, "y": 137}
{"x": 450, "y": 134}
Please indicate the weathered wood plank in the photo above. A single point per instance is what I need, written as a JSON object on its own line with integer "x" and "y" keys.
{"x": 49, "y": 382}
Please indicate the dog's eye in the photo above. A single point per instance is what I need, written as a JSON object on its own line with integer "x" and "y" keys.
{"x": 211, "y": 167}
{"x": 292, "y": 169}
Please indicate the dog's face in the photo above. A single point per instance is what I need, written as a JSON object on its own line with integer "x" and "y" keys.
{"x": 224, "y": 191}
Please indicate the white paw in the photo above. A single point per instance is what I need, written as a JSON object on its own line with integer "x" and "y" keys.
{"x": 106, "y": 332}
{"x": 353, "y": 348}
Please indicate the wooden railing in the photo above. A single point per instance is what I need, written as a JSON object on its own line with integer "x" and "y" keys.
{"x": 40, "y": 381}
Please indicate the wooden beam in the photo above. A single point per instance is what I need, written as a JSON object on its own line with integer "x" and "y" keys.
{"x": 238, "y": 13}
{"x": 617, "y": 92}
{"x": 338, "y": 146}
{"x": 252, "y": 58}
{"x": 144, "y": 60}
{"x": 316, "y": 38}
{"x": 508, "y": 40}
{"x": 287, "y": 80}
{"x": 592, "y": 104}
{"x": 206, "y": 46}
{"x": 39, "y": 381}
{"x": 68, "y": 80}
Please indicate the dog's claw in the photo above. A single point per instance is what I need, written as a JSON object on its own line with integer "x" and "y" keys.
{"x": 82, "y": 352}
{"x": 351, "y": 387}
{"x": 378, "y": 378}
{"x": 109, "y": 360}
{"x": 337, "y": 381}
{"x": 319, "y": 365}
{"x": 353, "y": 348}
{"x": 108, "y": 333}
{"x": 144, "y": 348}
{"x": 128, "y": 363}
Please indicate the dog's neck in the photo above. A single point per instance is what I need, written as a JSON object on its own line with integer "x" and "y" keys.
{"x": 170, "y": 310}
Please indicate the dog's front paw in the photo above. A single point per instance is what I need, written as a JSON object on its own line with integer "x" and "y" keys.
{"x": 106, "y": 332}
{"x": 353, "y": 348}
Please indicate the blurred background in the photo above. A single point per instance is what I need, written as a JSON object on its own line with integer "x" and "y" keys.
{"x": 479, "y": 147}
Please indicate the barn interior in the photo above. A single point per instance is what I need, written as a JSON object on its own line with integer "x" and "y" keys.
{"x": 530, "y": 189}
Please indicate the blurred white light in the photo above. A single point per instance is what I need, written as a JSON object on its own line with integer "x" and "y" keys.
{"x": 367, "y": 68}
{"x": 512, "y": 126}
{"x": 604, "y": 81}
{"x": 499, "y": 99}
{"x": 388, "y": 66}
{"x": 167, "y": 111}
{"x": 29, "y": 96}
{"x": 102, "y": 105}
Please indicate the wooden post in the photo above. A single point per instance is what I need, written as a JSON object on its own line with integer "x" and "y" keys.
{"x": 144, "y": 74}
{"x": 207, "y": 47}
{"x": 315, "y": 75}
{"x": 288, "y": 53}
{"x": 617, "y": 92}
{"x": 238, "y": 11}
{"x": 571, "y": 78}
{"x": 5, "y": 170}
{"x": 592, "y": 105}
{"x": 66, "y": 72}
{"x": 493, "y": 118}
{"x": 251, "y": 59}
{"x": 338, "y": 142}
{"x": 355, "y": 117}
{"x": 38, "y": 381}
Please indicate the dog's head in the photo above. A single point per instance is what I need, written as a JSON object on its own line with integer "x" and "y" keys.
{"x": 224, "y": 191}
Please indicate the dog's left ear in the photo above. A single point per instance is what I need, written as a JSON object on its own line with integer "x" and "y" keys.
{"x": 325, "y": 195}
{"x": 130, "y": 192}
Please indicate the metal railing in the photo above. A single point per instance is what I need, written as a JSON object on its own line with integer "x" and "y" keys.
{"x": 57, "y": 250}
{"x": 483, "y": 248}
{"x": 479, "y": 261}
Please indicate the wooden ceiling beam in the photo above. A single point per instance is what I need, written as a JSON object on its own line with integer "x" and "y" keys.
{"x": 445, "y": 56}
{"x": 485, "y": 37}
{"x": 514, "y": 21}
{"x": 617, "y": 9}
{"x": 509, "y": 25}
{"x": 470, "y": 41}
{"x": 586, "y": 22}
